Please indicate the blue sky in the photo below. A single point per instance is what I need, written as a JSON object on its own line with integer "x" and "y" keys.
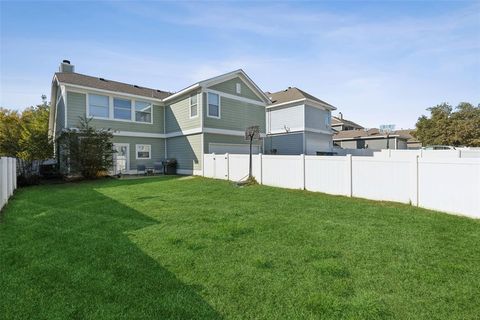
{"x": 377, "y": 62}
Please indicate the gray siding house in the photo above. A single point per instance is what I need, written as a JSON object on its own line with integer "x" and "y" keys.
{"x": 298, "y": 123}
{"x": 151, "y": 125}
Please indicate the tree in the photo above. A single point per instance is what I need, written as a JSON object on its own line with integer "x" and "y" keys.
{"x": 25, "y": 136}
{"x": 86, "y": 150}
{"x": 446, "y": 126}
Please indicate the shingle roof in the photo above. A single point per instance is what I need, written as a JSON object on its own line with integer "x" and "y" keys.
{"x": 336, "y": 121}
{"x": 292, "y": 94}
{"x": 110, "y": 85}
{"x": 370, "y": 133}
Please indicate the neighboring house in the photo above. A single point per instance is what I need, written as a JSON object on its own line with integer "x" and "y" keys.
{"x": 298, "y": 123}
{"x": 341, "y": 124}
{"x": 372, "y": 139}
{"x": 151, "y": 125}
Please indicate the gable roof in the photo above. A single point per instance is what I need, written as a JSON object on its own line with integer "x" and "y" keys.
{"x": 109, "y": 85}
{"x": 294, "y": 94}
{"x": 338, "y": 121}
{"x": 221, "y": 78}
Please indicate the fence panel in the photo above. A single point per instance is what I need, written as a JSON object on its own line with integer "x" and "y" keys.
{"x": 451, "y": 185}
{"x": 221, "y": 166}
{"x": 8, "y": 179}
{"x": 328, "y": 174}
{"x": 209, "y": 165}
{"x": 283, "y": 171}
{"x": 382, "y": 179}
{"x": 238, "y": 167}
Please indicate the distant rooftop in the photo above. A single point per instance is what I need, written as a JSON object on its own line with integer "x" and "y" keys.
{"x": 292, "y": 94}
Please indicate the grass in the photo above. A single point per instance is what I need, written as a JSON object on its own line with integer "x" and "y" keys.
{"x": 178, "y": 248}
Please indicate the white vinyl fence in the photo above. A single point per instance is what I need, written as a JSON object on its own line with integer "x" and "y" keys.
{"x": 445, "y": 184}
{"x": 8, "y": 179}
{"x": 406, "y": 154}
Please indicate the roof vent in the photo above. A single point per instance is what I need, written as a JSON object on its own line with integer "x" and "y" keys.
{"x": 102, "y": 79}
{"x": 66, "y": 67}
{"x": 136, "y": 86}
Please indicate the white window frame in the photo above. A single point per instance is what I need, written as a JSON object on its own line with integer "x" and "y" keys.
{"x": 190, "y": 106}
{"x": 327, "y": 120}
{"x": 238, "y": 88}
{"x": 149, "y": 152}
{"x": 131, "y": 106}
{"x": 88, "y": 106}
{"x": 219, "y": 106}
{"x": 134, "y": 110}
{"x": 110, "y": 107}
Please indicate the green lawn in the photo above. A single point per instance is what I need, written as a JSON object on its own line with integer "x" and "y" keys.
{"x": 196, "y": 248}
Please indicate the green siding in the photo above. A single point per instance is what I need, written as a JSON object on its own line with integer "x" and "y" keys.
{"x": 236, "y": 115}
{"x": 158, "y": 150}
{"x": 230, "y": 87}
{"x": 187, "y": 150}
{"x": 222, "y": 138}
{"x": 76, "y": 108}
{"x": 178, "y": 115}
{"x": 60, "y": 120}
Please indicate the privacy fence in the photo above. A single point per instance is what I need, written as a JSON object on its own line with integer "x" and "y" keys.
{"x": 445, "y": 184}
{"x": 8, "y": 179}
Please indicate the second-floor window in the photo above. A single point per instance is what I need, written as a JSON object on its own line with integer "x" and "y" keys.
{"x": 143, "y": 111}
{"x": 193, "y": 106}
{"x": 327, "y": 120}
{"x": 122, "y": 109}
{"x": 213, "y": 105}
{"x": 98, "y": 106}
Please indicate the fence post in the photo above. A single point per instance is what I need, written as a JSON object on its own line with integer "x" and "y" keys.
{"x": 227, "y": 158}
{"x": 260, "y": 156}
{"x": 14, "y": 173}
{"x": 349, "y": 176}
{"x": 302, "y": 158}
{"x": 9, "y": 177}
{"x": 414, "y": 182}
{"x": 3, "y": 182}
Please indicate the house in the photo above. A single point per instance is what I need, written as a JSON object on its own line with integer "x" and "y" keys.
{"x": 151, "y": 125}
{"x": 298, "y": 123}
{"x": 372, "y": 139}
{"x": 341, "y": 124}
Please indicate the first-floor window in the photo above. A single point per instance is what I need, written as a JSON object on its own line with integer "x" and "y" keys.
{"x": 98, "y": 106}
{"x": 122, "y": 109}
{"x": 213, "y": 105}
{"x": 143, "y": 151}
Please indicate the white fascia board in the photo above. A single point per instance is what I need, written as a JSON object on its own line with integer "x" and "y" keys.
{"x": 234, "y": 97}
{"x": 117, "y": 93}
{"x": 319, "y": 131}
{"x": 273, "y": 106}
{"x": 181, "y": 92}
{"x": 138, "y": 134}
{"x": 319, "y": 105}
{"x": 230, "y": 75}
{"x": 228, "y": 132}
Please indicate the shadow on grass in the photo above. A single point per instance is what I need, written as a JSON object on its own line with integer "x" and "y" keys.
{"x": 65, "y": 253}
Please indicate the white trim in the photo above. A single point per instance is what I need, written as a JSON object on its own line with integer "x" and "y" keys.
{"x": 109, "y": 92}
{"x": 234, "y": 97}
{"x": 127, "y": 162}
{"x": 228, "y": 132}
{"x": 219, "y": 106}
{"x": 183, "y": 133}
{"x": 285, "y": 103}
{"x": 319, "y": 131}
{"x": 111, "y": 108}
{"x": 310, "y": 102}
{"x": 149, "y": 152}
{"x": 190, "y": 106}
{"x": 139, "y": 134}
{"x": 181, "y": 92}
{"x": 238, "y": 88}
{"x": 64, "y": 96}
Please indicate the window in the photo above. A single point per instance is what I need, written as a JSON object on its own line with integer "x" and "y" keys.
{"x": 98, "y": 106}
{"x": 122, "y": 109}
{"x": 239, "y": 88}
{"x": 143, "y": 151}
{"x": 213, "y": 105}
{"x": 193, "y": 106}
{"x": 143, "y": 111}
{"x": 327, "y": 120}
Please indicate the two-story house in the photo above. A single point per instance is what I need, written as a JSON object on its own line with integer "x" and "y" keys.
{"x": 151, "y": 125}
{"x": 298, "y": 123}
